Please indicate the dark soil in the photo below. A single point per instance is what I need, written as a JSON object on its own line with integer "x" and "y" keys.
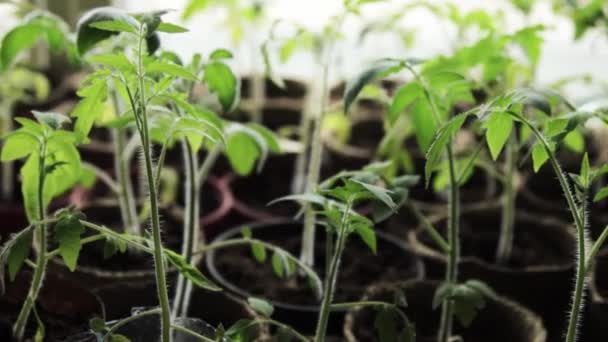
{"x": 359, "y": 267}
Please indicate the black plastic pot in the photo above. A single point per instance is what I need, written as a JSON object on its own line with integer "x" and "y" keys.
{"x": 501, "y": 320}
{"x": 543, "y": 285}
{"x": 296, "y": 305}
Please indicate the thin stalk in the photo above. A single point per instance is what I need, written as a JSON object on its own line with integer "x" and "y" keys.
{"x": 257, "y": 88}
{"x": 579, "y": 221}
{"x": 41, "y": 259}
{"x": 191, "y": 229}
{"x": 577, "y": 300}
{"x": 84, "y": 241}
{"x": 507, "y": 225}
{"x": 109, "y": 232}
{"x": 451, "y": 277}
{"x": 453, "y": 229}
{"x": 126, "y": 198}
{"x": 329, "y": 285}
{"x": 159, "y": 263}
{"x": 314, "y": 167}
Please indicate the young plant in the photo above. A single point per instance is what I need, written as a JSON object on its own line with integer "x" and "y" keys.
{"x": 18, "y": 81}
{"x": 51, "y": 168}
{"x": 548, "y": 134}
{"x": 138, "y": 75}
{"x": 335, "y": 200}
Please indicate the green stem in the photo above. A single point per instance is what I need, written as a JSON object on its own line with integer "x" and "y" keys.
{"x": 41, "y": 260}
{"x": 507, "y": 226}
{"x": 294, "y": 333}
{"x": 210, "y": 159}
{"x": 109, "y": 232}
{"x": 126, "y": 198}
{"x": 331, "y": 278}
{"x": 298, "y": 182}
{"x": 453, "y": 229}
{"x": 577, "y": 300}
{"x": 159, "y": 262}
{"x": 84, "y": 241}
{"x": 191, "y": 229}
{"x": 451, "y": 277}
{"x": 307, "y": 254}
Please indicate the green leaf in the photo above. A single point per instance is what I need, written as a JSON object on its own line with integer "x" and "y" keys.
{"x": 19, "y": 251}
{"x": 242, "y": 152}
{"x": 87, "y": 35}
{"x": 53, "y": 120}
{"x": 22, "y": 240}
{"x": 18, "y": 145}
{"x": 377, "y": 70}
{"x": 438, "y": 146}
{"x": 218, "y": 54}
{"x": 193, "y": 7}
{"x": 258, "y": 251}
{"x": 386, "y": 324}
{"x": 575, "y": 141}
{"x": 40, "y": 26}
{"x": 114, "y": 26}
{"x": 499, "y": 127}
{"x": 404, "y": 96}
{"x": 281, "y": 265}
{"x": 603, "y": 193}
{"x": 90, "y": 107}
{"x": 29, "y": 186}
{"x": 368, "y": 236}
{"x": 539, "y": 156}
{"x": 119, "y": 338}
{"x": 170, "y": 28}
{"x": 97, "y": 324}
{"x": 424, "y": 124}
{"x": 379, "y": 193}
{"x": 190, "y": 272}
{"x": 261, "y": 306}
{"x": 114, "y": 60}
{"x": 169, "y": 68}
{"x": 67, "y": 233}
{"x": 221, "y": 80}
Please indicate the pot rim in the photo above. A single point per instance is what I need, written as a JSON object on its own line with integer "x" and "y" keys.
{"x": 546, "y": 222}
{"x": 534, "y": 321}
{"x": 225, "y": 283}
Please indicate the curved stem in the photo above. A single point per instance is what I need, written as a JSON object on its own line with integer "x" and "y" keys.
{"x": 41, "y": 260}
{"x": 248, "y": 241}
{"x": 579, "y": 221}
{"x": 109, "y": 232}
{"x": 596, "y": 248}
{"x": 428, "y": 226}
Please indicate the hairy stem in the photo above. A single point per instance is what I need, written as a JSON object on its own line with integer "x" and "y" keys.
{"x": 40, "y": 234}
{"x": 507, "y": 225}
{"x": 159, "y": 262}
{"x": 329, "y": 285}
{"x": 191, "y": 228}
